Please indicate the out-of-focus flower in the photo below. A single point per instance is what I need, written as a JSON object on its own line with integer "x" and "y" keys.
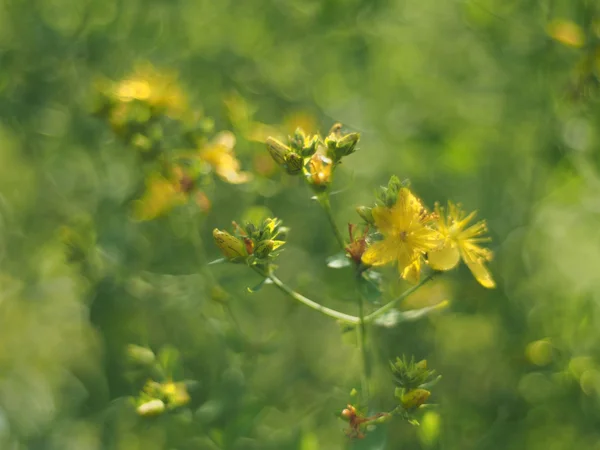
{"x": 461, "y": 241}
{"x": 407, "y": 236}
{"x": 150, "y": 408}
{"x": 176, "y": 394}
{"x": 219, "y": 154}
{"x": 163, "y": 193}
{"x": 161, "y": 196}
{"x": 567, "y": 33}
{"x": 159, "y": 89}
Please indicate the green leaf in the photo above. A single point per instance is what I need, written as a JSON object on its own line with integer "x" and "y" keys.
{"x": 369, "y": 286}
{"x": 338, "y": 261}
{"x": 394, "y": 317}
{"x": 168, "y": 357}
{"x": 259, "y": 286}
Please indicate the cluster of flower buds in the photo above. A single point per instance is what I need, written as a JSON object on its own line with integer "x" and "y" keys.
{"x": 313, "y": 156}
{"x": 386, "y": 196}
{"x": 156, "y": 398}
{"x": 413, "y": 380}
{"x": 251, "y": 243}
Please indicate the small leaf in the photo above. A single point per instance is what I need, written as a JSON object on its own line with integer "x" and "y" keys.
{"x": 338, "y": 261}
{"x": 394, "y": 317}
{"x": 217, "y": 261}
{"x": 259, "y": 286}
{"x": 168, "y": 358}
{"x": 369, "y": 285}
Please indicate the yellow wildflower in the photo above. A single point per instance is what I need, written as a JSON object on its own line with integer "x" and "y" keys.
{"x": 320, "y": 170}
{"x": 462, "y": 241}
{"x": 219, "y": 154}
{"x": 159, "y": 89}
{"x": 567, "y": 33}
{"x": 407, "y": 236}
{"x": 160, "y": 197}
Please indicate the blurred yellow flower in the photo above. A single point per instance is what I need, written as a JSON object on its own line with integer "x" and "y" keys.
{"x": 319, "y": 170}
{"x": 461, "y": 241}
{"x": 160, "y": 90}
{"x": 161, "y": 196}
{"x": 218, "y": 153}
{"x": 407, "y": 236}
{"x": 566, "y": 32}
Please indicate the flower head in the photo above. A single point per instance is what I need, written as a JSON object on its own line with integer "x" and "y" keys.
{"x": 461, "y": 241}
{"x": 218, "y": 153}
{"x": 407, "y": 235}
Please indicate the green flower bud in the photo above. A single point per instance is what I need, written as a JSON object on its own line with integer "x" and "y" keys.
{"x": 297, "y": 141}
{"x": 294, "y": 163}
{"x": 415, "y": 398}
{"x": 151, "y": 408}
{"x": 366, "y": 214}
{"x": 263, "y": 249}
{"x": 232, "y": 247}
{"x": 282, "y": 233}
{"x": 346, "y": 145}
{"x": 140, "y": 355}
{"x": 277, "y": 150}
{"x": 310, "y": 147}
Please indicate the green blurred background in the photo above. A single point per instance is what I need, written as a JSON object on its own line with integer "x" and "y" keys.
{"x": 491, "y": 103}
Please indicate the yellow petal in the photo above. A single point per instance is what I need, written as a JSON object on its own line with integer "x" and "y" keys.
{"x": 379, "y": 253}
{"x": 412, "y": 273}
{"x": 478, "y": 269}
{"x": 445, "y": 258}
{"x": 383, "y": 218}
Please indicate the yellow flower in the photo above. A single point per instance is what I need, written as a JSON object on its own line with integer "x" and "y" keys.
{"x": 567, "y": 33}
{"x": 462, "y": 241}
{"x": 219, "y": 154}
{"x": 160, "y": 197}
{"x": 159, "y": 89}
{"x": 320, "y": 170}
{"x": 407, "y": 236}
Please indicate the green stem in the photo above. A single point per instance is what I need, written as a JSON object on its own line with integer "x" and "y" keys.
{"x": 390, "y": 305}
{"x": 326, "y": 205}
{"x": 361, "y": 335}
{"x": 306, "y": 301}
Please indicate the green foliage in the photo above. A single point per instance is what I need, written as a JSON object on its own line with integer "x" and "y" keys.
{"x": 492, "y": 103}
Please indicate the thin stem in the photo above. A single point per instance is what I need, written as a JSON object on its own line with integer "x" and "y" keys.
{"x": 324, "y": 202}
{"x": 306, "y": 301}
{"x": 390, "y": 305}
{"x": 361, "y": 335}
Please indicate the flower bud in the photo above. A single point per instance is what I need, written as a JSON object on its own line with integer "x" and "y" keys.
{"x": 264, "y": 248}
{"x": 140, "y": 355}
{"x": 319, "y": 172}
{"x": 346, "y": 145}
{"x": 232, "y": 247}
{"x": 277, "y": 150}
{"x": 414, "y": 398}
{"x": 366, "y": 214}
{"x": 310, "y": 147}
{"x": 151, "y": 408}
{"x": 297, "y": 141}
{"x": 294, "y": 163}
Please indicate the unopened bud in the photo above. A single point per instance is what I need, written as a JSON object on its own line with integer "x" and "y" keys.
{"x": 264, "y": 248}
{"x": 140, "y": 355}
{"x": 366, "y": 214}
{"x": 151, "y": 408}
{"x": 294, "y": 163}
{"x": 346, "y": 145}
{"x": 414, "y": 398}
{"x": 277, "y": 150}
{"x": 232, "y": 247}
{"x": 310, "y": 147}
{"x": 282, "y": 233}
{"x": 297, "y": 141}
